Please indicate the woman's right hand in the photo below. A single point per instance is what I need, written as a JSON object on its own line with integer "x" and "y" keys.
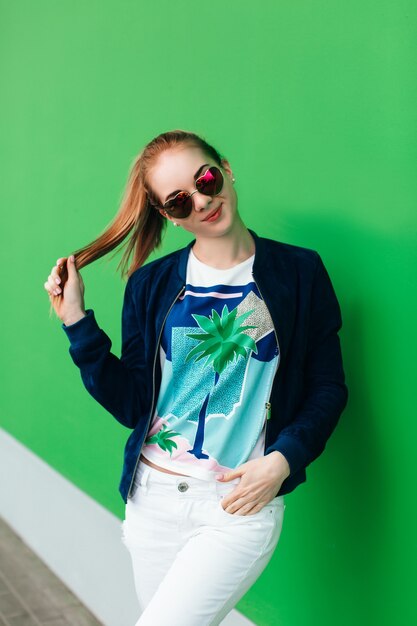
{"x": 67, "y": 299}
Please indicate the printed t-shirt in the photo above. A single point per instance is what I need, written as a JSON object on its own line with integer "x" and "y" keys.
{"x": 218, "y": 355}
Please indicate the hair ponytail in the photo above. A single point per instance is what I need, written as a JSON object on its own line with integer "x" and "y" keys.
{"x": 136, "y": 215}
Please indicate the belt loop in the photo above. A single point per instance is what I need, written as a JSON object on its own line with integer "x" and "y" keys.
{"x": 144, "y": 476}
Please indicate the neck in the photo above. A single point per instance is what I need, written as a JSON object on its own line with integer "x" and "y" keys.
{"x": 225, "y": 251}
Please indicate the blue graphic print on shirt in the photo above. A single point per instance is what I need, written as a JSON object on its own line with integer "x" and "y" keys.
{"x": 219, "y": 355}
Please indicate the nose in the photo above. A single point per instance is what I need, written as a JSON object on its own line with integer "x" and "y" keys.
{"x": 201, "y": 201}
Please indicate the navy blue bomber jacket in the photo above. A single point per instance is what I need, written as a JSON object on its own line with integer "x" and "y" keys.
{"x": 308, "y": 393}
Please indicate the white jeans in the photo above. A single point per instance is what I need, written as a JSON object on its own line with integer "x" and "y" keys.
{"x": 192, "y": 561}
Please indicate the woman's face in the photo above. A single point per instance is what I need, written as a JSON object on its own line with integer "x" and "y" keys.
{"x": 176, "y": 170}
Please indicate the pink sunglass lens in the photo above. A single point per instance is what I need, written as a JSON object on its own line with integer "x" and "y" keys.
{"x": 211, "y": 183}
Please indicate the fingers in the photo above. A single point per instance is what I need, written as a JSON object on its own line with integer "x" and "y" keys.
{"x": 52, "y": 284}
{"x": 242, "y": 507}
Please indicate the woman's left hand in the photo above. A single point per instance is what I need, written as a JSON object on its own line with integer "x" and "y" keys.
{"x": 260, "y": 481}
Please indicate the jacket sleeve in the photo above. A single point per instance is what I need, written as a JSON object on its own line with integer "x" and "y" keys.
{"x": 326, "y": 393}
{"x": 118, "y": 384}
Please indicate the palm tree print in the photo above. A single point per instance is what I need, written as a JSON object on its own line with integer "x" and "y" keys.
{"x": 163, "y": 439}
{"x": 222, "y": 341}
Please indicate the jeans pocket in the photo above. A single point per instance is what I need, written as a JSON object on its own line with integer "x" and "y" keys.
{"x": 267, "y": 510}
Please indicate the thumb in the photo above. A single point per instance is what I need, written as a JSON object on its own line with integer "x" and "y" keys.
{"x": 71, "y": 265}
{"x": 229, "y": 475}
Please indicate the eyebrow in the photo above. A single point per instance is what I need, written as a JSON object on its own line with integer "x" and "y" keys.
{"x": 196, "y": 175}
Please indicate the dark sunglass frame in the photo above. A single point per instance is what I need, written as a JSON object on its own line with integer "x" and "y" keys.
{"x": 182, "y": 209}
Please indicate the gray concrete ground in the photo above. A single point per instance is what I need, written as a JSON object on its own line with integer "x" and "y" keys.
{"x": 30, "y": 594}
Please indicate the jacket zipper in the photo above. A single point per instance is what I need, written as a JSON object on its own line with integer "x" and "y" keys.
{"x": 268, "y": 410}
{"x": 268, "y": 405}
{"x": 153, "y": 385}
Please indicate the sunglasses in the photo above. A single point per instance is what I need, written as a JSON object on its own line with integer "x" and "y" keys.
{"x": 209, "y": 184}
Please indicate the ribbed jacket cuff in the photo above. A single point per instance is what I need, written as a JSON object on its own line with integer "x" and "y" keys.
{"x": 83, "y": 332}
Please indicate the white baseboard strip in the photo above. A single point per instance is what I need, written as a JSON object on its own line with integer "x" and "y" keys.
{"x": 76, "y": 537}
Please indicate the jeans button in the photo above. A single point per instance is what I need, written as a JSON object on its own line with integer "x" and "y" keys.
{"x": 182, "y": 487}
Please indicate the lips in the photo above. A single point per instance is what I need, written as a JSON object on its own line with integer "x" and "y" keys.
{"x": 214, "y": 214}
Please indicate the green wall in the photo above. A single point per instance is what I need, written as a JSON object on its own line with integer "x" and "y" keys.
{"x": 314, "y": 104}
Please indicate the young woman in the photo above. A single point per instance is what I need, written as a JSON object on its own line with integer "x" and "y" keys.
{"x": 230, "y": 377}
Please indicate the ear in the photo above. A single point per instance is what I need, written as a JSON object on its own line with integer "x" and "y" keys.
{"x": 165, "y": 214}
{"x": 226, "y": 166}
